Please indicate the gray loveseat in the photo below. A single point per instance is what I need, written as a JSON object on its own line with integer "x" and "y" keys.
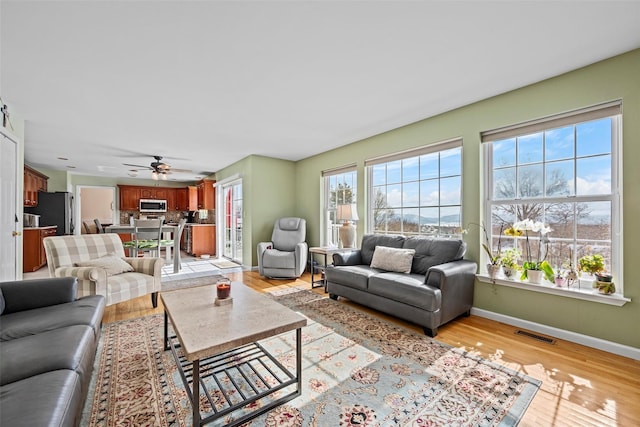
{"x": 436, "y": 287}
{"x": 48, "y": 342}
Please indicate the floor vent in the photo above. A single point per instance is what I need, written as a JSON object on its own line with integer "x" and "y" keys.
{"x": 536, "y": 336}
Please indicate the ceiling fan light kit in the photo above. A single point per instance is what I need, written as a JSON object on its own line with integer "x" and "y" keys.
{"x": 159, "y": 170}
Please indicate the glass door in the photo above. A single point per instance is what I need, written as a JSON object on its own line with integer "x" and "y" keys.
{"x": 232, "y": 236}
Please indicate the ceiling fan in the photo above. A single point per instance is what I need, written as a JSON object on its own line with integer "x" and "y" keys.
{"x": 159, "y": 169}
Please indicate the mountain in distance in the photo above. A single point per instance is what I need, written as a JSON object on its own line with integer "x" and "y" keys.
{"x": 417, "y": 219}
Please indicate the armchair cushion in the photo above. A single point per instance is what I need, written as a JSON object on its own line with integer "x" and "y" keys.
{"x": 111, "y": 263}
{"x": 285, "y": 256}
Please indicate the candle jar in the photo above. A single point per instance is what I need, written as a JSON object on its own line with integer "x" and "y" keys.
{"x": 223, "y": 290}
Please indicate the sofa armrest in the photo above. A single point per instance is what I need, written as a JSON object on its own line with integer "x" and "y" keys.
{"x": 30, "y": 294}
{"x": 449, "y": 273}
{"x": 347, "y": 258}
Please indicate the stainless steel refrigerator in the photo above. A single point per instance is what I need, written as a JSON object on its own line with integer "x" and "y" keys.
{"x": 55, "y": 209}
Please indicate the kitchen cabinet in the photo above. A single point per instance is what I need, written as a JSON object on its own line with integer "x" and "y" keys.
{"x": 192, "y": 198}
{"x": 199, "y": 239}
{"x": 182, "y": 199}
{"x": 157, "y": 193}
{"x": 33, "y": 255}
{"x": 34, "y": 181}
{"x": 129, "y": 197}
{"x": 172, "y": 201}
{"x": 206, "y": 194}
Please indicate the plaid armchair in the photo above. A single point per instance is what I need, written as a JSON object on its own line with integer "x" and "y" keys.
{"x": 65, "y": 252}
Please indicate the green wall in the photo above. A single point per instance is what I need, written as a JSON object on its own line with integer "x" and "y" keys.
{"x": 269, "y": 188}
{"x": 616, "y": 78}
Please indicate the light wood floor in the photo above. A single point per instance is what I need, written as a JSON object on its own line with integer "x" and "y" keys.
{"x": 581, "y": 385}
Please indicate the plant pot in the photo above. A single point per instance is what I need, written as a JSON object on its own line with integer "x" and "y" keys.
{"x": 560, "y": 281}
{"x": 493, "y": 270}
{"x": 509, "y": 272}
{"x": 604, "y": 277}
{"x": 606, "y": 288}
{"x": 535, "y": 276}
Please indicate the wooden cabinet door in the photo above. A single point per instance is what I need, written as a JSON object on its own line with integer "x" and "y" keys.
{"x": 34, "y": 181}
{"x": 182, "y": 199}
{"x": 30, "y": 250}
{"x": 203, "y": 240}
{"x": 161, "y": 194}
{"x": 206, "y": 194}
{"x": 129, "y": 197}
{"x": 147, "y": 193}
{"x": 45, "y": 233}
{"x": 172, "y": 202}
{"x": 192, "y": 203}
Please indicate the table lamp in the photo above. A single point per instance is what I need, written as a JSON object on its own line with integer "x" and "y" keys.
{"x": 347, "y": 232}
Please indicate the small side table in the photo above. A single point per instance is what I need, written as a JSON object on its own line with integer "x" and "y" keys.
{"x": 325, "y": 251}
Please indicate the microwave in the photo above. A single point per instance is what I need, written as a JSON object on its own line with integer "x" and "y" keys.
{"x": 151, "y": 205}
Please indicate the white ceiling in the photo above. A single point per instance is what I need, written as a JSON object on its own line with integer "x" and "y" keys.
{"x": 207, "y": 83}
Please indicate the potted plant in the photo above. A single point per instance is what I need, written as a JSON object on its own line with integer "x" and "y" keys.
{"x": 493, "y": 266}
{"x": 560, "y": 278}
{"x": 533, "y": 269}
{"x": 591, "y": 264}
{"x": 509, "y": 261}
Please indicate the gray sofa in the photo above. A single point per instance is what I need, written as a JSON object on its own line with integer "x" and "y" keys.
{"x": 437, "y": 288}
{"x": 48, "y": 342}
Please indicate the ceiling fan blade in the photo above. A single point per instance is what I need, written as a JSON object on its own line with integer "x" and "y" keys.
{"x": 137, "y": 166}
{"x": 181, "y": 170}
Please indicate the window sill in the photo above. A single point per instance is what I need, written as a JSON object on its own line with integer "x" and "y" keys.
{"x": 546, "y": 288}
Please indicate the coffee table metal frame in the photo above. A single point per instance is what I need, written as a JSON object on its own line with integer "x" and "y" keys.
{"x": 243, "y": 361}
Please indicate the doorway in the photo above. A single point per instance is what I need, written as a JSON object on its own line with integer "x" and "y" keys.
{"x": 232, "y": 221}
{"x": 10, "y": 224}
{"x": 95, "y": 202}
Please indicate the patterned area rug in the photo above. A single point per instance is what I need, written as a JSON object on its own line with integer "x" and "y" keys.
{"x": 357, "y": 371}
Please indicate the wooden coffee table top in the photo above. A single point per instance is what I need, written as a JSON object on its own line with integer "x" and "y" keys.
{"x": 205, "y": 329}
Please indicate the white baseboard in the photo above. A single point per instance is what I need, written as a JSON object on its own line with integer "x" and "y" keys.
{"x": 600, "y": 344}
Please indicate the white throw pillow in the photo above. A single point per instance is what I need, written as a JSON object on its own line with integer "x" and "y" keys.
{"x": 393, "y": 259}
{"x": 113, "y": 264}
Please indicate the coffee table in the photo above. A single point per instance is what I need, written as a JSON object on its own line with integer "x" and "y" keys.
{"x": 216, "y": 346}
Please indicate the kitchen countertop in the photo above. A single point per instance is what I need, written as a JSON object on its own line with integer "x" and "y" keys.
{"x": 45, "y": 227}
{"x": 195, "y": 224}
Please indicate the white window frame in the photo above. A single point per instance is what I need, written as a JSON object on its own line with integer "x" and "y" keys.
{"x": 610, "y": 109}
{"x": 437, "y": 147}
{"x": 329, "y": 231}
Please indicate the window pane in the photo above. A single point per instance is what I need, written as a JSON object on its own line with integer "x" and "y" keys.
{"x": 394, "y": 196}
{"x": 410, "y": 221}
{"x": 429, "y": 193}
{"x": 411, "y": 194}
{"x": 451, "y": 191}
{"x": 594, "y": 137}
{"x": 379, "y": 174}
{"x": 394, "y": 172}
{"x": 530, "y": 148}
{"x": 504, "y": 184}
{"x": 429, "y": 220}
{"x": 530, "y": 181}
{"x": 450, "y": 219}
{"x": 504, "y": 153}
{"x": 559, "y": 176}
{"x": 451, "y": 162}
{"x": 594, "y": 175}
{"x": 558, "y": 143}
{"x": 429, "y": 166}
{"x": 410, "y": 169}
{"x": 561, "y": 218}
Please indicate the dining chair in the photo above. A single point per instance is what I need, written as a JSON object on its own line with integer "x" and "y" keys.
{"x": 166, "y": 244}
{"x": 98, "y": 226}
{"x": 145, "y": 237}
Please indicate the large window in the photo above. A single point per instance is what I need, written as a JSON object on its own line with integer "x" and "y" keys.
{"x": 418, "y": 192}
{"x": 340, "y": 188}
{"x": 562, "y": 171}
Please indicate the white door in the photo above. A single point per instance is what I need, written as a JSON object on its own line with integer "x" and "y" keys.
{"x": 232, "y": 221}
{"x": 9, "y": 220}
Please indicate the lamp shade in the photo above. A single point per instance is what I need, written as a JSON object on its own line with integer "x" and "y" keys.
{"x": 347, "y": 212}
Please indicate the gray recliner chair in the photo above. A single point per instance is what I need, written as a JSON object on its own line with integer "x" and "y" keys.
{"x": 285, "y": 256}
